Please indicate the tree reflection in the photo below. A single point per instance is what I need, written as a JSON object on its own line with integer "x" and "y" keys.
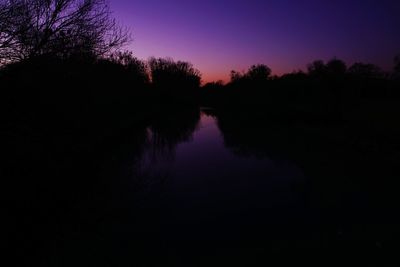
{"x": 171, "y": 127}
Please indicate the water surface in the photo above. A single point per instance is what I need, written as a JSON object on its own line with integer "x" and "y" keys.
{"x": 193, "y": 187}
{"x": 211, "y": 193}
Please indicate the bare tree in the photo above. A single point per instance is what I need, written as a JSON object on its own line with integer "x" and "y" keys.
{"x": 30, "y": 28}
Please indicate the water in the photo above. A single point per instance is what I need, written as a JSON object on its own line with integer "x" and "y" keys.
{"x": 198, "y": 187}
{"x": 212, "y": 193}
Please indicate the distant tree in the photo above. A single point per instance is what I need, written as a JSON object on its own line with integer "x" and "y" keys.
{"x": 397, "y": 64}
{"x": 214, "y": 85}
{"x": 219, "y": 83}
{"x": 363, "y": 70}
{"x": 294, "y": 76}
{"x": 168, "y": 73}
{"x": 336, "y": 67}
{"x": 258, "y": 72}
{"x": 316, "y": 68}
{"x": 30, "y": 28}
{"x": 235, "y": 76}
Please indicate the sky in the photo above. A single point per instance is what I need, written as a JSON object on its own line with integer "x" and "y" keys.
{"x": 219, "y": 36}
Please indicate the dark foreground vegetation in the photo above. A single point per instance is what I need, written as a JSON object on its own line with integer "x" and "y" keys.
{"x": 75, "y": 130}
{"x": 77, "y": 116}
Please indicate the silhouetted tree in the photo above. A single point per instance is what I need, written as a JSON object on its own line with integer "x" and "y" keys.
{"x": 397, "y": 64}
{"x": 133, "y": 65}
{"x": 336, "y": 67}
{"x": 316, "y": 68}
{"x": 169, "y": 74}
{"x": 259, "y": 72}
{"x": 361, "y": 70}
{"x": 30, "y": 28}
{"x": 213, "y": 85}
{"x": 294, "y": 76}
{"x": 256, "y": 74}
{"x": 235, "y": 76}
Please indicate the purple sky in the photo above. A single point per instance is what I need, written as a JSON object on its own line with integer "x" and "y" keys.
{"x": 218, "y": 36}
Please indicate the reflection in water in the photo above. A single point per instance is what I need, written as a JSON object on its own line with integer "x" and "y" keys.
{"x": 168, "y": 129}
{"x": 224, "y": 197}
{"x": 190, "y": 185}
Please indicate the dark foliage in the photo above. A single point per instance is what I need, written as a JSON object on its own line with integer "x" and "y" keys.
{"x": 256, "y": 77}
{"x": 328, "y": 91}
{"x": 397, "y": 67}
{"x": 171, "y": 75}
{"x": 365, "y": 71}
{"x": 175, "y": 82}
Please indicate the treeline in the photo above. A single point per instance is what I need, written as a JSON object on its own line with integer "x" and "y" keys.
{"x": 62, "y": 68}
{"x": 324, "y": 91}
{"x": 63, "y": 72}
{"x": 85, "y": 91}
{"x": 90, "y": 98}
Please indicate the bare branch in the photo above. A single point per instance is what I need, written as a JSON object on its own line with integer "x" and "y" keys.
{"x": 31, "y": 28}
